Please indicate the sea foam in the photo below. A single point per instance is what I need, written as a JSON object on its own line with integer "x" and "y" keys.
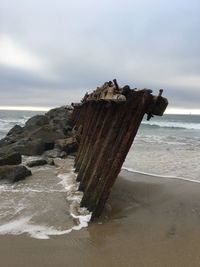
{"x": 24, "y": 225}
{"x": 160, "y": 176}
{"x": 171, "y": 124}
{"x": 20, "y": 222}
{"x": 73, "y": 197}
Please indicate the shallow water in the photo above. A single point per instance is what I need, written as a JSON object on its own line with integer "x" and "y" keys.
{"x": 9, "y": 118}
{"x": 43, "y": 205}
{"x": 46, "y": 204}
{"x": 169, "y": 145}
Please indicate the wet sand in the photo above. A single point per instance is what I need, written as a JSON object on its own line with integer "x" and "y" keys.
{"x": 149, "y": 221}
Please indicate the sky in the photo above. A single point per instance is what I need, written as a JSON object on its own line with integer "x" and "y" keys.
{"x": 52, "y": 52}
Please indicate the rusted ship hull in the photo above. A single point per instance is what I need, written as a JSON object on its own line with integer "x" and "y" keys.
{"x": 108, "y": 128}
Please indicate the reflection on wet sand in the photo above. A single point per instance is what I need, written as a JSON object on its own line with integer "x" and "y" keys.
{"x": 149, "y": 221}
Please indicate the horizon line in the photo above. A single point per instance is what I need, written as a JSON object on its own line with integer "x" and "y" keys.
{"x": 172, "y": 111}
{"x": 25, "y": 108}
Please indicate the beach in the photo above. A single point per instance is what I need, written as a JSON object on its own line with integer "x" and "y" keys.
{"x": 99, "y": 134}
{"x": 148, "y": 221}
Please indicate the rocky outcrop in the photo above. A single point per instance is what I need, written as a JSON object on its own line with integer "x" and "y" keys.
{"x": 17, "y": 129}
{"x": 37, "y": 162}
{"x": 69, "y": 145}
{"x": 51, "y": 135}
{"x": 14, "y": 173}
{"x": 29, "y": 147}
{"x": 54, "y": 153}
{"x": 37, "y": 120}
{"x": 10, "y": 159}
{"x": 40, "y": 133}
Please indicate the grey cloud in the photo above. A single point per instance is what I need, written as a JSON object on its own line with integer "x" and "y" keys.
{"x": 182, "y": 97}
{"x": 13, "y": 78}
{"x": 142, "y": 43}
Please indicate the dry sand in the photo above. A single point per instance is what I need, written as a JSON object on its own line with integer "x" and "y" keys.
{"x": 149, "y": 221}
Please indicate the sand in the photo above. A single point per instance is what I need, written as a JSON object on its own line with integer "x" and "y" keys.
{"x": 149, "y": 221}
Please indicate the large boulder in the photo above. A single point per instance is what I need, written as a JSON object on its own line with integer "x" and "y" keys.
{"x": 47, "y": 133}
{"x": 37, "y": 162}
{"x": 40, "y": 133}
{"x": 17, "y": 129}
{"x": 12, "y": 158}
{"x": 30, "y": 147}
{"x": 14, "y": 173}
{"x": 61, "y": 113}
{"x": 54, "y": 153}
{"x": 35, "y": 121}
{"x": 69, "y": 145}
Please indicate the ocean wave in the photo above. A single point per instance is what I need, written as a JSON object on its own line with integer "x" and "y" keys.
{"x": 172, "y": 125}
{"x": 6, "y": 125}
{"x": 168, "y": 140}
{"x": 160, "y": 176}
{"x": 14, "y": 120}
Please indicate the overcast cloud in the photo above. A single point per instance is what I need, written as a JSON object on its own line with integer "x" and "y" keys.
{"x": 51, "y": 52}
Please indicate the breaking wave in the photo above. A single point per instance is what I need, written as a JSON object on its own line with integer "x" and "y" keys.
{"x": 160, "y": 176}
{"x": 7, "y": 123}
{"x": 172, "y": 125}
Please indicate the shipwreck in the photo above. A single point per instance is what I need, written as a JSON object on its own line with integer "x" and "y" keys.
{"x": 107, "y": 121}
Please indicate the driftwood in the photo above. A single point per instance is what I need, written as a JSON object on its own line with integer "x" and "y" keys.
{"x": 108, "y": 128}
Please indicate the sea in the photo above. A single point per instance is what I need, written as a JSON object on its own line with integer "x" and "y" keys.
{"x": 168, "y": 147}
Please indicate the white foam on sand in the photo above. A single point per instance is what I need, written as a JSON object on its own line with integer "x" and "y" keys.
{"x": 26, "y": 225}
{"x": 23, "y": 225}
{"x": 26, "y": 159}
{"x": 161, "y": 176}
{"x": 73, "y": 197}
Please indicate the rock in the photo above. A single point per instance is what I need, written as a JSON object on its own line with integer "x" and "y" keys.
{"x": 17, "y": 129}
{"x": 54, "y": 153}
{"x": 47, "y": 133}
{"x": 73, "y": 154}
{"x": 50, "y": 161}
{"x": 10, "y": 159}
{"x": 58, "y": 162}
{"x": 39, "y": 133}
{"x": 61, "y": 144}
{"x": 30, "y": 147}
{"x": 63, "y": 154}
{"x": 61, "y": 113}
{"x": 69, "y": 145}
{"x": 2, "y": 143}
{"x": 49, "y": 146}
{"x": 14, "y": 173}
{"x": 37, "y": 120}
{"x": 67, "y": 129}
{"x": 37, "y": 162}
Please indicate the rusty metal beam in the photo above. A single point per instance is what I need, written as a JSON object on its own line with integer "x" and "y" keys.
{"x": 108, "y": 130}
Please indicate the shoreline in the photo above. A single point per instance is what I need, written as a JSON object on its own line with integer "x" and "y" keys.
{"x": 159, "y": 176}
{"x": 149, "y": 221}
